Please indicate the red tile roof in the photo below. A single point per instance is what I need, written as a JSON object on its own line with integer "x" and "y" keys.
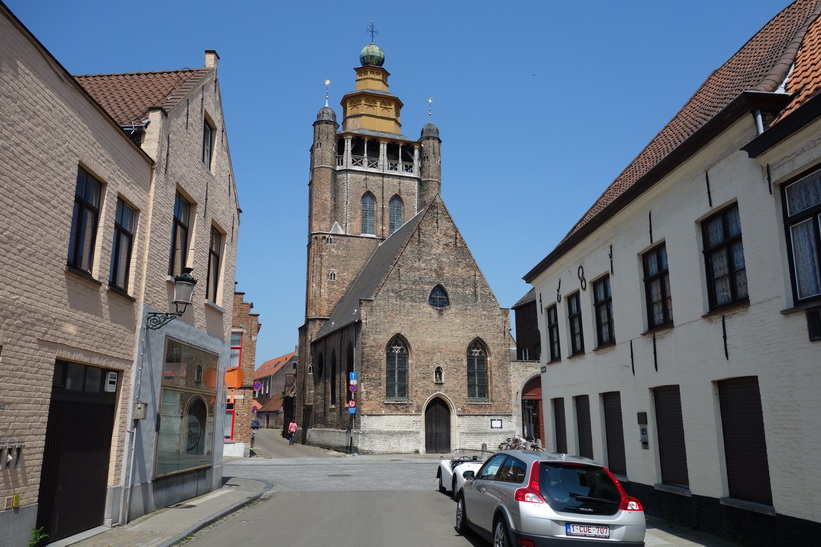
{"x": 268, "y": 368}
{"x": 128, "y": 97}
{"x": 791, "y": 39}
{"x": 760, "y": 65}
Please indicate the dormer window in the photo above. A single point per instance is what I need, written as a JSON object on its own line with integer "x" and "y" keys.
{"x": 439, "y": 298}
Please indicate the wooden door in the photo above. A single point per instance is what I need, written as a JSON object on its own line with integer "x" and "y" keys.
{"x": 437, "y": 427}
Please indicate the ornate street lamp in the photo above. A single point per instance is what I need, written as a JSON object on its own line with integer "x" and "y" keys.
{"x": 183, "y": 294}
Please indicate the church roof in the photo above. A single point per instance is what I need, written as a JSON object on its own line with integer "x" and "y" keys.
{"x": 372, "y": 275}
{"x": 760, "y": 66}
{"x": 128, "y": 97}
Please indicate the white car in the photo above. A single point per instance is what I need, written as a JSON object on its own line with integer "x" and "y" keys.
{"x": 451, "y": 469}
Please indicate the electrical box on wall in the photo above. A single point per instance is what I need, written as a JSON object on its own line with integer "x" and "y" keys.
{"x": 111, "y": 382}
{"x": 140, "y": 410}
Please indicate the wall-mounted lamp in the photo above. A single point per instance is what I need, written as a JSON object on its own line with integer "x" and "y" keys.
{"x": 183, "y": 294}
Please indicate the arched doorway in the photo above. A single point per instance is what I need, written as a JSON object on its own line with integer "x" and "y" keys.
{"x": 437, "y": 427}
{"x": 532, "y": 417}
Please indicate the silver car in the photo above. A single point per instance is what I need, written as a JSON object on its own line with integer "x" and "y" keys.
{"x": 537, "y": 498}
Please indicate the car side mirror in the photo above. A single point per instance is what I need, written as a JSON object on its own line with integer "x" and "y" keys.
{"x": 469, "y": 474}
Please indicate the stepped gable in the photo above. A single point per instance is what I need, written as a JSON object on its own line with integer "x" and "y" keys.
{"x": 128, "y": 97}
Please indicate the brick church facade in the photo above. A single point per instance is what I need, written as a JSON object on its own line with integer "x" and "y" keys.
{"x": 394, "y": 297}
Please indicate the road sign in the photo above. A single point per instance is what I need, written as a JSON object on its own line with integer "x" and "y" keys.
{"x": 351, "y": 410}
{"x": 352, "y": 388}
{"x": 351, "y": 403}
{"x": 257, "y": 386}
{"x": 353, "y": 376}
{"x": 353, "y": 382}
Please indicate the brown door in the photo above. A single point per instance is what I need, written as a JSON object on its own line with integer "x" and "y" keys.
{"x": 77, "y": 451}
{"x": 437, "y": 427}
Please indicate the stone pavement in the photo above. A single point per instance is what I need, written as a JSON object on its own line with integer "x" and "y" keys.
{"x": 168, "y": 526}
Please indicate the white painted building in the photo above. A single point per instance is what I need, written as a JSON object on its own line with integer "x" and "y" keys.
{"x": 681, "y": 317}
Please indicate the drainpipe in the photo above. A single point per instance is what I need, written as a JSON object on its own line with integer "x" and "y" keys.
{"x": 759, "y": 122}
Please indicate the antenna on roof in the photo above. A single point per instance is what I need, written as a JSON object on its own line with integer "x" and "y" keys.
{"x": 327, "y": 85}
{"x": 372, "y": 30}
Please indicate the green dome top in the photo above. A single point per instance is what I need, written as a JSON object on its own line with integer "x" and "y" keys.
{"x": 371, "y": 55}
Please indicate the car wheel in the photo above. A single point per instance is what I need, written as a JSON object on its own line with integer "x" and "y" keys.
{"x": 461, "y": 516}
{"x": 501, "y": 537}
{"x": 442, "y": 486}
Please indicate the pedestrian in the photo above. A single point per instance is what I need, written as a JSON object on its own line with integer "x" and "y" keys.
{"x": 292, "y": 432}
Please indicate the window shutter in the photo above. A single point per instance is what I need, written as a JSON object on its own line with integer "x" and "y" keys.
{"x": 670, "y": 425}
{"x": 614, "y": 433}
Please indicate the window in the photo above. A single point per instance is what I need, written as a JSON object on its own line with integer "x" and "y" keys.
{"x": 553, "y": 333}
{"x": 657, "y": 288}
{"x": 603, "y": 303}
{"x": 207, "y": 143}
{"x": 670, "y": 426}
{"x": 803, "y": 224}
{"x": 396, "y": 370}
{"x": 84, "y": 221}
{"x": 745, "y": 445}
{"x": 724, "y": 258}
{"x": 333, "y": 379}
{"x": 574, "y": 319}
{"x": 214, "y": 252}
{"x": 123, "y": 242}
{"x": 477, "y": 371}
{"x": 179, "y": 235}
{"x": 186, "y": 421}
{"x": 395, "y": 213}
{"x": 438, "y": 298}
{"x": 368, "y": 208}
{"x": 236, "y": 349}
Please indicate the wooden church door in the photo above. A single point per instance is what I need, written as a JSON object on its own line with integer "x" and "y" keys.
{"x": 437, "y": 427}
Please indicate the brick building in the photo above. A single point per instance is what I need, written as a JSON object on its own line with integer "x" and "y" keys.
{"x": 98, "y": 173}
{"x": 276, "y": 378}
{"x": 393, "y": 294}
{"x": 681, "y": 316}
{"x": 239, "y": 401}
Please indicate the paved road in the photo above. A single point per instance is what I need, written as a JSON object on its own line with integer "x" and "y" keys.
{"x": 321, "y": 498}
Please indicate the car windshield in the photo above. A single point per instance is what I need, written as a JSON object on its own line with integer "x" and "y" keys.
{"x": 474, "y": 454}
{"x": 584, "y": 489}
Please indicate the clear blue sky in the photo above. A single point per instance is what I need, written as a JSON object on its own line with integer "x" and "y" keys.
{"x": 539, "y": 104}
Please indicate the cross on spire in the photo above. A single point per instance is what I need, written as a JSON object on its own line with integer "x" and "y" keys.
{"x": 372, "y": 30}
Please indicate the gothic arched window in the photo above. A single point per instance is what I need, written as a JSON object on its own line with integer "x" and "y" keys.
{"x": 368, "y": 208}
{"x": 395, "y": 213}
{"x": 477, "y": 371}
{"x": 396, "y": 369}
{"x": 438, "y": 298}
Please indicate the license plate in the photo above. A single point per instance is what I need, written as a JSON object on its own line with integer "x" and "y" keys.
{"x": 587, "y": 530}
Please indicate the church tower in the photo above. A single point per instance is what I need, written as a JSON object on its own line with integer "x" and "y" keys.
{"x": 367, "y": 179}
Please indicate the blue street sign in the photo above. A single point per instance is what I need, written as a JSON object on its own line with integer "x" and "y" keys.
{"x": 353, "y": 376}
{"x": 351, "y": 410}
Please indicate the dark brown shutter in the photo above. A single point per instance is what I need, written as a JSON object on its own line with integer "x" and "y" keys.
{"x": 558, "y": 418}
{"x": 745, "y": 447}
{"x": 670, "y": 426}
{"x": 583, "y": 426}
{"x": 614, "y": 433}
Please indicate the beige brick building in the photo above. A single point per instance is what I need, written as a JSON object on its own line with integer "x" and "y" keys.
{"x": 394, "y": 299}
{"x": 103, "y": 418}
{"x": 680, "y": 318}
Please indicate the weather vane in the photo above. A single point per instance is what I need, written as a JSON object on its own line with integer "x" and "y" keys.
{"x": 327, "y": 85}
{"x": 430, "y": 107}
{"x": 372, "y": 30}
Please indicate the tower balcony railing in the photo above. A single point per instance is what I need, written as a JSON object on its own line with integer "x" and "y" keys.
{"x": 373, "y": 163}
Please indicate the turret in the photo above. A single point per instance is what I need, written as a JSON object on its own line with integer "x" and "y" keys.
{"x": 430, "y": 164}
{"x": 323, "y": 165}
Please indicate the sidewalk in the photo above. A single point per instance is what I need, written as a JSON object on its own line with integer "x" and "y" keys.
{"x": 167, "y": 526}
